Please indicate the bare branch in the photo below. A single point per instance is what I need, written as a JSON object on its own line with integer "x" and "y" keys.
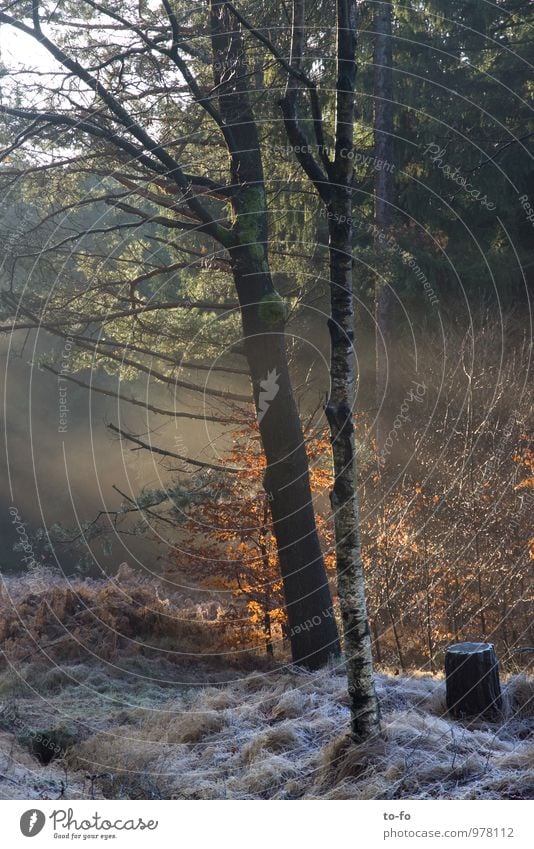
{"x": 144, "y": 404}
{"x": 164, "y": 453}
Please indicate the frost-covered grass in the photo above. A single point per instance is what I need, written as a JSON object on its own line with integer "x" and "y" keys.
{"x": 144, "y": 697}
{"x": 271, "y": 734}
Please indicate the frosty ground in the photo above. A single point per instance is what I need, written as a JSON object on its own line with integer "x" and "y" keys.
{"x": 266, "y": 735}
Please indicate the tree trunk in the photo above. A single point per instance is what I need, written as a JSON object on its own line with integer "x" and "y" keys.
{"x": 365, "y": 715}
{"x": 313, "y": 630}
{"x": 334, "y": 186}
{"x": 376, "y": 640}
{"x": 312, "y": 627}
{"x": 344, "y": 498}
{"x": 269, "y": 648}
{"x": 472, "y": 680}
{"x": 383, "y": 150}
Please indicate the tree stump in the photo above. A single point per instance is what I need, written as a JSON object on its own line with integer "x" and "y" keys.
{"x": 472, "y": 679}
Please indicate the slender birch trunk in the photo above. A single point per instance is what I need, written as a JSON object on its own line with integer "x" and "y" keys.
{"x": 333, "y": 180}
{"x": 365, "y": 717}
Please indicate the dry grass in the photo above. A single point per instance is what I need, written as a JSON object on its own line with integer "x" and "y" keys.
{"x": 279, "y": 735}
{"x": 115, "y": 670}
{"x": 110, "y": 620}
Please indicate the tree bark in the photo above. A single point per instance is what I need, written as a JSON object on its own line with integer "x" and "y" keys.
{"x": 339, "y": 411}
{"x": 472, "y": 680}
{"x": 365, "y": 717}
{"x": 312, "y": 627}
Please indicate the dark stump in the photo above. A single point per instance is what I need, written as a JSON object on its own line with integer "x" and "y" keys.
{"x": 472, "y": 678}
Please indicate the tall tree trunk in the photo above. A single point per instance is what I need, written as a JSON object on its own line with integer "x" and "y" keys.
{"x": 312, "y": 626}
{"x": 339, "y": 410}
{"x": 344, "y": 498}
{"x": 313, "y": 630}
{"x": 383, "y": 148}
{"x": 333, "y": 181}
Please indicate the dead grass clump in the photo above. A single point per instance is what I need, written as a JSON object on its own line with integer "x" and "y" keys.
{"x": 342, "y": 760}
{"x": 121, "y": 751}
{"x": 519, "y": 691}
{"x": 193, "y": 727}
{"x": 421, "y": 691}
{"x": 265, "y": 779}
{"x": 282, "y": 738}
{"x": 292, "y": 704}
{"x": 76, "y": 620}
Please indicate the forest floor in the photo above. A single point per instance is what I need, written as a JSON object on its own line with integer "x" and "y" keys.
{"x": 265, "y": 735}
{"x": 103, "y": 694}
